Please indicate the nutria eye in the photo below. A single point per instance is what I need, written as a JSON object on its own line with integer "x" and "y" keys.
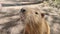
{"x": 36, "y": 13}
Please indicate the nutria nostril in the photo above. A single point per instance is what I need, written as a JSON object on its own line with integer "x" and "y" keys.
{"x": 23, "y": 10}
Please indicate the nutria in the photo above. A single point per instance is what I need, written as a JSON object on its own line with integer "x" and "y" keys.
{"x": 34, "y": 20}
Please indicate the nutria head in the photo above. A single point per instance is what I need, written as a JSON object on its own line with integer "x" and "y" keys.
{"x": 32, "y": 18}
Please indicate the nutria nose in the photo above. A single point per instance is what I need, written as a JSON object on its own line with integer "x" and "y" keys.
{"x": 23, "y": 10}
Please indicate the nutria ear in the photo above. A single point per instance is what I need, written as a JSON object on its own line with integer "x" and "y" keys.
{"x": 42, "y": 14}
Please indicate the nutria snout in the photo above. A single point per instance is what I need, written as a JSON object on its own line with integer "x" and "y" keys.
{"x": 23, "y": 10}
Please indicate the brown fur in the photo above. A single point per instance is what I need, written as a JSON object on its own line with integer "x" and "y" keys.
{"x": 35, "y": 21}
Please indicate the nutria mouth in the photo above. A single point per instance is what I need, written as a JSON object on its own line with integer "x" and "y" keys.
{"x": 22, "y": 16}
